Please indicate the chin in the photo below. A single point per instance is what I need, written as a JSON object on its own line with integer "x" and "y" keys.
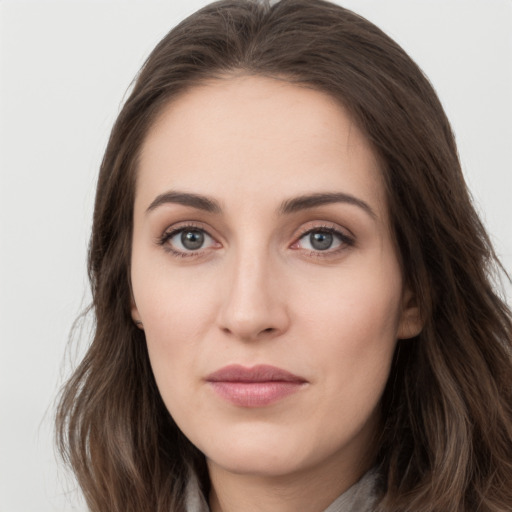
{"x": 264, "y": 454}
{"x": 257, "y": 462}
{"x": 254, "y": 451}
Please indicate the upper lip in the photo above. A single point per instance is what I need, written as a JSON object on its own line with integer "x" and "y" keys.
{"x": 258, "y": 373}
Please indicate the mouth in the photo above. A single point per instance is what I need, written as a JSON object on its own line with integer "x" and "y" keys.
{"x": 257, "y": 386}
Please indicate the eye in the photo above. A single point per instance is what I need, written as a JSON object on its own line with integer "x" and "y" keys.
{"x": 187, "y": 241}
{"x": 323, "y": 240}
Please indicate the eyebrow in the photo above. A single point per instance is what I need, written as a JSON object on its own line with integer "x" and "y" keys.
{"x": 186, "y": 199}
{"x": 313, "y": 200}
{"x": 289, "y": 206}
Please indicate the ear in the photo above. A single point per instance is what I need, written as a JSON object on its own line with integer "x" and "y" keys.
{"x": 411, "y": 322}
{"x": 135, "y": 314}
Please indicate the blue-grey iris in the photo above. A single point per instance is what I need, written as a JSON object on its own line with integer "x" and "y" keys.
{"x": 321, "y": 241}
{"x": 192, "y": 240}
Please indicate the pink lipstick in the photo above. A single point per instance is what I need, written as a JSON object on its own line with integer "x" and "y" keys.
{"x": 257, "y": 386}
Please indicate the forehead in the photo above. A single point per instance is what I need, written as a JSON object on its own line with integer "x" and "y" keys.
{"x": 256, "y": 136}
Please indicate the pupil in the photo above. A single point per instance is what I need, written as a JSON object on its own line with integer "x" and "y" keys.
{"x": 192, "y": 239}
{"x": 321, "y": 241}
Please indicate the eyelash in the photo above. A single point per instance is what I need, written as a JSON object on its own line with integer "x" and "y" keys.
{"x": 346, "y": 241}
{"x": 168, "y": 235}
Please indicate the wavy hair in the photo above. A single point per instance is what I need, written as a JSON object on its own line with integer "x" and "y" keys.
{"x": 446, "y": 437}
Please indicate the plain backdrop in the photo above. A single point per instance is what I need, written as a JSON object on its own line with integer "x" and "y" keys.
{"x": 64, "y": 69}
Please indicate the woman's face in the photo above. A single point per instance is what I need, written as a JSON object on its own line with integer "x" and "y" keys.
{"x": 265, "y": 276}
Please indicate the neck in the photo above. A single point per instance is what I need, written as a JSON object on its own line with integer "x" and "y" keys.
{"x": 311, "y": 490}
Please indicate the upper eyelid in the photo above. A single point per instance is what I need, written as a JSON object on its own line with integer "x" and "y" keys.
{"x": 181, "y": 226}
{"x": 328, "y": 226}
{"x": 343, "y": 237}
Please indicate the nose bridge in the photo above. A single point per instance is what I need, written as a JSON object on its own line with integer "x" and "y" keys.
{"x": 252, "y": 306}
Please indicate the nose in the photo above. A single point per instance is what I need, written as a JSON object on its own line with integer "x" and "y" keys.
{"x": 254, "y": 300}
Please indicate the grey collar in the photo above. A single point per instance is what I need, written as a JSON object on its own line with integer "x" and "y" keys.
{"x": 361, "y": 497}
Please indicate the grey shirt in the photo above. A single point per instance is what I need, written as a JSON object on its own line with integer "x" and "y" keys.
{"x": 360, "y": 497}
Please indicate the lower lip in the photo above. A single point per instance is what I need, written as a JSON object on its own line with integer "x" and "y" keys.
{"x": 255, "y": 394}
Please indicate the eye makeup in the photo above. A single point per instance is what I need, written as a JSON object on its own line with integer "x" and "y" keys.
{"x": 191, "y": 239}
{"x": 324, "y": 241}
{"x": 187, "y": 240}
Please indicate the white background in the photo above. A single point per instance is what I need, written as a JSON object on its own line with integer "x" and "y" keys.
{"x": 64, "y": 69}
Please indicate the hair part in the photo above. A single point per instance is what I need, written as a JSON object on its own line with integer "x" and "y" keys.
{"x": 447, "y": 415}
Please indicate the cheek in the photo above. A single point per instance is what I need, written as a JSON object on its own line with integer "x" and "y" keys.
{"x": 359, "y": 306}
{"x": 177, "y": 311}
{"x": 171, "y": 301}
{"x": 354, "y": 323}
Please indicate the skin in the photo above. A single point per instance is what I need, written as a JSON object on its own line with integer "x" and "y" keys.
{"x": 259, "y": 292}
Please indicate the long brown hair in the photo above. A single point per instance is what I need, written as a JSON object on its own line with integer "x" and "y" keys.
{"x": 446, "y": 439}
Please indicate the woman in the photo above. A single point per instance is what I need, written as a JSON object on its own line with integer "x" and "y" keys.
{"x": 292, "y": 290}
